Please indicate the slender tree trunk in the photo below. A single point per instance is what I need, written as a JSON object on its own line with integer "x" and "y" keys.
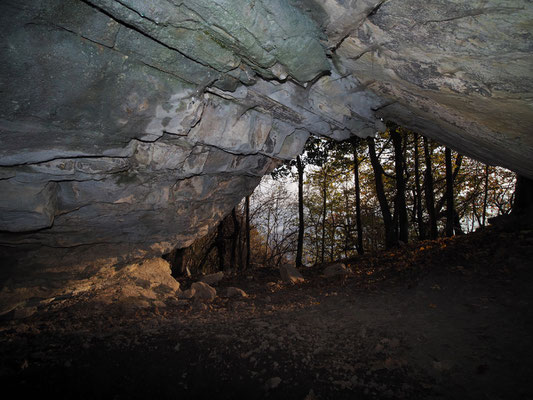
{"x": 473, "y": 217}
{"x": 267, "y": 241}
{"x": 348, "y": 237}
{"x": 414, "y": 212}
{"x": 449, "y": 192}
{"x": 474, "y": 212}
{"x": 221, "y": 245}
{"x": 346, "y": 225}
{"x": 523, "y": 200}
{"x": 457, "y": 224}
{"x": 440, "y": 204}
{"x": 206, "y": 255}
{"x": 241, "y": 244}
{"x": 429, "y": 191}
{"x": 317, "y": 242}
{"x": 332, "y": 241}
{"x": 234, "y": 239}
{"x": 247, "y": 234}
{"x": 390, "y": 237}
{"x": 359, "y": 224}
{"x": 324, "y": 214}
{"x": 395, "y": 218}
{"x": 301, "y": 226}
{"x": 485, "y": 194}
{"x": 400, "y": 186}
{"x": 419, "y": 213}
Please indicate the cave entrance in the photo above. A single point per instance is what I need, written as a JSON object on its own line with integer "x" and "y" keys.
{"x": 340, "y": 200}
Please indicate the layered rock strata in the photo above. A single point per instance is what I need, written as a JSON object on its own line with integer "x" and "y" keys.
{"x": 128, "y": 128}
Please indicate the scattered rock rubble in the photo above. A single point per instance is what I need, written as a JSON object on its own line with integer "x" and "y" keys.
{"x": 337, "y": 269}
{"x": 430, "y": 330}
{"x": 233, "y": 292}
{"x": 212, "y": 279}
{"x": 290, "y": 274}
{"x": 203, "y": 292}
{"x": 141, "y": 285}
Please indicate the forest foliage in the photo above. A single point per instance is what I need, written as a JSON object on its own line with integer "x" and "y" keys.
{"x": 360, "y": 195}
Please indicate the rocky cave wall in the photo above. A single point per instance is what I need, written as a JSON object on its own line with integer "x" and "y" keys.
{"x": 130, "y": 127}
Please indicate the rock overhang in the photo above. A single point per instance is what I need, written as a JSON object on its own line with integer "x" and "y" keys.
{"x": 129, "y": 128}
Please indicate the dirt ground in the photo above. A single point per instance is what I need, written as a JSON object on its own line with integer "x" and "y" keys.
{"x": 448, "y": 319}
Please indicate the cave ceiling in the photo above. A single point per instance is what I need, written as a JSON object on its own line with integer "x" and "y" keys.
{"x": 131, "y": 127}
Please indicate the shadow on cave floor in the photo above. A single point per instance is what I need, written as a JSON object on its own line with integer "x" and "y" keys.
{"x": 447, "y": 319}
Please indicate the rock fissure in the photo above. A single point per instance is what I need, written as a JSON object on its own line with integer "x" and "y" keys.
{"x": 139, "y": 30}
{"x": 376, "y": 9}
{"x": 136, "y": 12}
{"x": 476, "y": 12}
{"x": 353, "y": 29}
{"x": 47, "y": 24}
{"x": 80, "y": 157}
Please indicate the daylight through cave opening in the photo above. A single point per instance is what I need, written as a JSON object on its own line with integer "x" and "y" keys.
{"x": 356, "y": 195}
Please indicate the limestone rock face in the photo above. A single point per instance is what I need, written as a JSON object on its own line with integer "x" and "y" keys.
{"x": 128, "y": 128}
{"x": 459, "y": 71}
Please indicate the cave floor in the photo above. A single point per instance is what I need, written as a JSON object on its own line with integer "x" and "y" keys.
{"x": 448, "y": 319}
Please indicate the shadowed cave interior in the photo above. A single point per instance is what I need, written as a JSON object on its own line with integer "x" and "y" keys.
{"x": 134, "y": 136}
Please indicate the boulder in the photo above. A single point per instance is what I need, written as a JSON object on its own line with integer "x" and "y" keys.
{"x": 290, "y": 274}
{"x": 272, "y": 383}
{"x": 234, "y": 292}
{"x": 199, "y": 306}
{"x": 337, "y": 269}
{"x": 24, "y": 312}
{"x": 203, "y": 292}
{"x": 212, "y": 279}
{"x": 186, "y": 294}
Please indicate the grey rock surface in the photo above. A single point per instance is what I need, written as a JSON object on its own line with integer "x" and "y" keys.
{"x": 213, "y": 279}
{"x": 455, "y": 70}
{"x": 234, "y": 292}
{"x": 187, "y": 294}
{"x": 129, "y": 128}
{"x": 337, "y": 269}
{"x": 289, "y": 274}
{"x": 137, "y": 285}
{"x": 203, "y": 292}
